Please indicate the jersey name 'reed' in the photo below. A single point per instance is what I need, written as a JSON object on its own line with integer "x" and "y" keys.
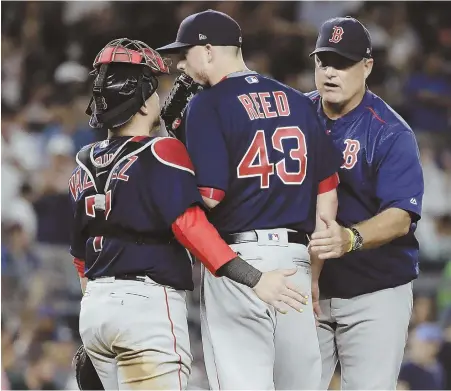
{"x": 265, "y": 104}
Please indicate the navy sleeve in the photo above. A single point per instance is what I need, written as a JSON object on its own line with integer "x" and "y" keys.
{"x": 173, "y": 185}
{"x": 328, "y": 156}
{"x": 78, "y": 240}
{"x": 399, "y": 182}
{"x": 205, "y": 143}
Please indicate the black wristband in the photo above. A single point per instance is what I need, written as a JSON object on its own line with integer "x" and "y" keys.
{"x": 240, "y": 271}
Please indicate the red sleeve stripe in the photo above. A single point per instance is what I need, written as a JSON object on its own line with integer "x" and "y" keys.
{"x": 375, "y": 115}
{"x": 328, "y": 184}
{"x": 80, "y": 266}
{"x": 213, "y": 194}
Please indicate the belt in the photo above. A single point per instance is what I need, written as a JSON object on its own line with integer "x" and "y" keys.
{"x": 141, "y": 277}
{"x": 252, "y": 236}
{"x": 133, "y": 277}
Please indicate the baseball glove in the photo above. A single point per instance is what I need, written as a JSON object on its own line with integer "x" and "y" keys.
{"x": 174, "y": 107}
{"x": 85, "y": 373}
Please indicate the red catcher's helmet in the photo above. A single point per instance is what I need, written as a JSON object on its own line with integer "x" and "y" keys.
{"x": 126, "y": 74}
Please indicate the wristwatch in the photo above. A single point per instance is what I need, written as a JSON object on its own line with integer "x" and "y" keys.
{"x": 357, "y": 243}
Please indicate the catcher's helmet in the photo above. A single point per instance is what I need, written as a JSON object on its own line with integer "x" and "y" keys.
{"x": 126, "y": 76}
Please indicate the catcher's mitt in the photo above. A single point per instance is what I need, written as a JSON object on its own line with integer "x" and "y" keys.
{"x": 85, "y": 373}
{"x": 174, "y": 107}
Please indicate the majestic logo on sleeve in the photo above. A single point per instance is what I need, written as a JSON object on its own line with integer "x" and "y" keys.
{"x": 350, "y": 153}
{"x": 336, "y": 34}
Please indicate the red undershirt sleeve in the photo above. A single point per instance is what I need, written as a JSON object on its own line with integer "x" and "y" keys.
{"x": 80, "y": 266}
{"x": 194, "y": 232}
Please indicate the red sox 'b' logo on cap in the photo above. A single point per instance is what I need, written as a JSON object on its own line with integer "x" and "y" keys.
{"x": 336, "y": 34}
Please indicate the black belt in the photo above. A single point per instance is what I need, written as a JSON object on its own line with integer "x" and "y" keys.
{"x": 133, "y": 277}
{"x": 252, "y": 236}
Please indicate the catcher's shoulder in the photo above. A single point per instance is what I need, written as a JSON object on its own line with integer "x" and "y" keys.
{"x": 171, "y": 152}
{"x": 87, "y": 147}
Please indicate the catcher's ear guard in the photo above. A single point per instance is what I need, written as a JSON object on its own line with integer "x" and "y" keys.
{"x": 85, "y": 373}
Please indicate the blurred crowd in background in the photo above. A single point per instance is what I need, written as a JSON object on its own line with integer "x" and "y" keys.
{"x": 47, "y": 52}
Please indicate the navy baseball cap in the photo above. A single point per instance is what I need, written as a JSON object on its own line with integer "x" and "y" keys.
{"x": 207, "y": 27}
{"x": 345, "y": 36}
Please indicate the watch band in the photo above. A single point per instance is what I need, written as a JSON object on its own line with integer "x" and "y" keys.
{"x": 358, "y": 239}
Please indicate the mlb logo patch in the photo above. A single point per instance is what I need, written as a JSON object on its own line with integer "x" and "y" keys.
{"x": 274, "y": 237}
{"x": 104, "y": 143}
{"x": 251, "y": 79}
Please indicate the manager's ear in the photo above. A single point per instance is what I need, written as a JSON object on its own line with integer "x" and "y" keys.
{"x": 368, "y": 64}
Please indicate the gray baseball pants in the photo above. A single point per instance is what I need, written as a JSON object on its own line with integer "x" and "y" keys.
{"x": 367, "y": 334}
{"x": 136, "y": 334}
{"x": 247, "y": 344}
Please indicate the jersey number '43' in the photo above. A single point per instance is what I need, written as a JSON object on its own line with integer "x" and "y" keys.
{"x": 264, "y": 169}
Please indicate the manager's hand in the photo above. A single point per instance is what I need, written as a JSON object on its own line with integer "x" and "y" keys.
{"x": 332, "y": 242}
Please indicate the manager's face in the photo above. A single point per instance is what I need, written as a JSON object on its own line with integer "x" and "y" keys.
{"x": 339, "y": 79}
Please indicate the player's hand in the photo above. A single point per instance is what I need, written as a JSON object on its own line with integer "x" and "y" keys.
{"x": 315, "y": 301}
{"x": 332, "y": 242}
{"x": 275, "y": 289}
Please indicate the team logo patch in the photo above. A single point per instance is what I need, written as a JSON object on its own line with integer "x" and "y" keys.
{"x": 350, "y": 154}
{"x": 251, "y": 79}
{"x": 202, "y": 37}
{"x": 274, "y": 237}
{"x": 337, "y": 34}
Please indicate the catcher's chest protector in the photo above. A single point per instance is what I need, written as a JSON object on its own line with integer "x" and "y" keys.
{"x": 101, "y": 174}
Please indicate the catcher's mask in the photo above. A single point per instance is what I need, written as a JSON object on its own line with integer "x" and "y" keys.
{"x": 126, "y": 74}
